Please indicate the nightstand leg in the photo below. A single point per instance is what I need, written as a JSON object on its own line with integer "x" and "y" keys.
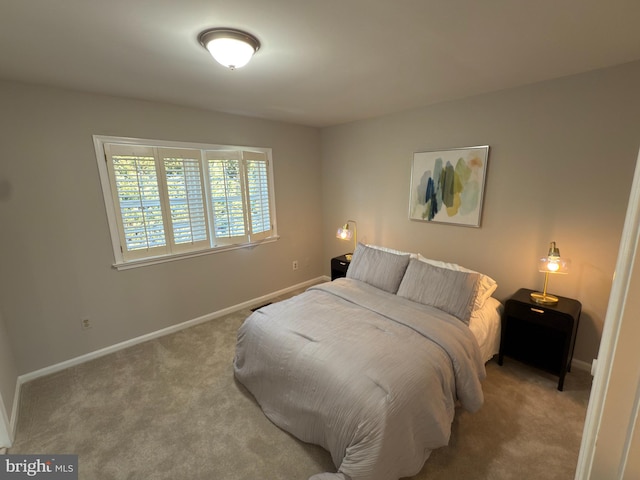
{"x": 561, "y": 382}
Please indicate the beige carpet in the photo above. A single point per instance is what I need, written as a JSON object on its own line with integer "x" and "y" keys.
{"x": 170, "y": 409}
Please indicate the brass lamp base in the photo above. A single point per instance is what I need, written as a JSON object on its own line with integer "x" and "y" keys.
{"x": 544, "y": 298}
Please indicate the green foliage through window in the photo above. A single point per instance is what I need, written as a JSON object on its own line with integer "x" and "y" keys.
{"x": 169, "y": 200}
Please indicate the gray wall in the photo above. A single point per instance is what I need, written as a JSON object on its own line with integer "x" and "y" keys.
{"x": 55, "y": 250}
{"x": 560, "y": 168}
{"x": 561, "y": 161}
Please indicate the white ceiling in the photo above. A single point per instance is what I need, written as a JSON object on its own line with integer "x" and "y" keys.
{"x": 322, "y": 62}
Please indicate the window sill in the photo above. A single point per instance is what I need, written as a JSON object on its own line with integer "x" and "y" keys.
{"x": 179, "y": 256}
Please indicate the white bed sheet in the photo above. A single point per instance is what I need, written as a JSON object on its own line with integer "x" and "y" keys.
{"x": 485, "y": 326}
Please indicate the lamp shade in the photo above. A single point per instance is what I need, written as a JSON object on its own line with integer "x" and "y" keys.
{"x": 344, "y": 233}
{"x": 231, "y": 48}
{"x": 553, "y": 263}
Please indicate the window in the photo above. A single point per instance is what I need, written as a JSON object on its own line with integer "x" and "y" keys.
{"x": 166, "y": 200}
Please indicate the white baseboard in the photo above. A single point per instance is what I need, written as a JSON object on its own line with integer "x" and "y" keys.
{"x": 6, "y": 439}
{"x": 27, "y": 377}
{"x": 581, "y": 365}
{"x": 13, "y": 421}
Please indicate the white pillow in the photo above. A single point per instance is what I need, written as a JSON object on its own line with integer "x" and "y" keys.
{"x": 486, "y": 284}
{"x": 393, "y": 250}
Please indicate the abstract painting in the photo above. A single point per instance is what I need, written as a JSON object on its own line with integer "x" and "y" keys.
{"x": 447, "y": 186}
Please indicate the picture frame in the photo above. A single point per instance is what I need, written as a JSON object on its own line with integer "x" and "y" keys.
{"x": 447, "y": 186}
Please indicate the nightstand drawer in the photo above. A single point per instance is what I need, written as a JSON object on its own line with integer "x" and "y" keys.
{"x": 339, "y": 266}
{"x": 539, "y": 315}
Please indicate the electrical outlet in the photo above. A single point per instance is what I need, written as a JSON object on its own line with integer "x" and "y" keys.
{"x": 86, "y": 324}
{"x": 295, "y": 264}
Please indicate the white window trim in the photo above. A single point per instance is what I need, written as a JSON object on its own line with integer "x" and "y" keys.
{"x": 112, "y": 216}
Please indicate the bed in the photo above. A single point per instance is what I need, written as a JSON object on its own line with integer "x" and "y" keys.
{"x": 372, "y": 366}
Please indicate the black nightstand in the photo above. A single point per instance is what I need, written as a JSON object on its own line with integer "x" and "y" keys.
{"x": 540, "y": 335}
{"x": 339, "y": 267}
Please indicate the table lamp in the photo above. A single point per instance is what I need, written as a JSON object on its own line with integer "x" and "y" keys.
{"x": 552, "y": 263}
{"x": 345, "y": 233}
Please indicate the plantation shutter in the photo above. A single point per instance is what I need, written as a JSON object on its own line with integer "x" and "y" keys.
{"x": 186, "y": 198}
{"x": 175, "y": 199}
{"x": 257, "y": 182}
{"x": 137, "y": 195}
{"x": 226, "y": 194}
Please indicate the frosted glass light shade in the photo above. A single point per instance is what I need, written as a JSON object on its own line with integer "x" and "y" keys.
{"x": 231, "y": 48}
{"x": 230, "y": 52}
{"x": 552, "y": 263}
{"x": 344, "y": 233}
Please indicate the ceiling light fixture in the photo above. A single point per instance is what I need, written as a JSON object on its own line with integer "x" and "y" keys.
{"x": 231, "y": 48}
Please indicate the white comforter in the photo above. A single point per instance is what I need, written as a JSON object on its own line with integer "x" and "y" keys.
{"x": 370, "y": 376}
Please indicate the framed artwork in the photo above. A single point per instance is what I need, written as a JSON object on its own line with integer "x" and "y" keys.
{"x": 447, "y": 186}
